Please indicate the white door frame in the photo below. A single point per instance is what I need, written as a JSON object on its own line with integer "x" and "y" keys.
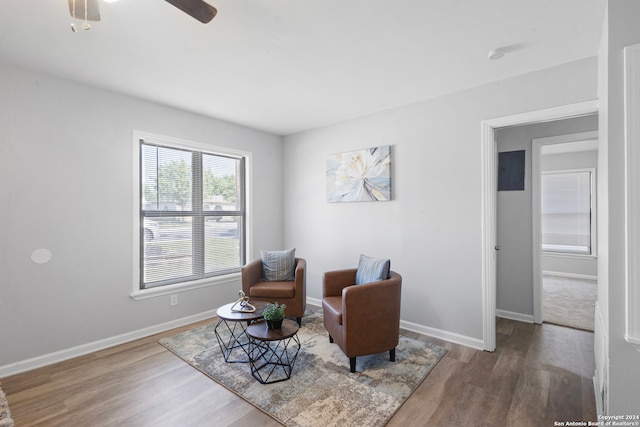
{"x": 489, "y": 172}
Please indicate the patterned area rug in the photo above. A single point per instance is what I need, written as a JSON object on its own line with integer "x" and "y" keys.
{"x": 5, "y": 414}
{"x": 321, "y": 391}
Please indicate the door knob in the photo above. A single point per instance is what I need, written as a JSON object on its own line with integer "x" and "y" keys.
{"x": 497, "y": 248}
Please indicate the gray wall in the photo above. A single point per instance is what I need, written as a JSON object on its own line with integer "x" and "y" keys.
{"x": 514, "y": 215}
{"x": 66, "y": 184}
{"x": 431, "y": 229}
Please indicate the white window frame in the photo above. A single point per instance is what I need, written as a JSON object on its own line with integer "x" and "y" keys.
{"x": 139, "y": 294}
{"x": 593, "y": 220}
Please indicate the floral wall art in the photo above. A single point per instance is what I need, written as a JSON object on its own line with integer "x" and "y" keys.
{"x": 360, "y": 176}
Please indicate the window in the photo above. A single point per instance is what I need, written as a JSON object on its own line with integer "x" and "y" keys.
{"x": 568, "y": 222}
{"x": 192, "y": 213}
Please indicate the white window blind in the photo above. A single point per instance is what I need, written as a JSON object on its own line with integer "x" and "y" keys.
{"x": 192, "y": 214}
{"x": 567, "y": 212}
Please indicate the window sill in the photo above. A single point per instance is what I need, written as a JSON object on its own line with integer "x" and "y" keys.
{"x": 182, "y": 287}
{"x": 565, "y": 255}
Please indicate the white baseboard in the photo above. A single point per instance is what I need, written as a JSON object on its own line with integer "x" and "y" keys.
{"x": 314, "y": 301}
{"x": 452, "y": 337}
{"x": 528, "y": 318}
{"x": 66, "y": 354}
{"x": 601, "y": 353}
{"x": 62, "y": 355}
{"x": 599, "y": 408}
{"x": 570, "y": 275}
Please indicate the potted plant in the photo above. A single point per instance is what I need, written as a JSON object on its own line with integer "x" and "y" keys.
{"x": 274, "y": 314}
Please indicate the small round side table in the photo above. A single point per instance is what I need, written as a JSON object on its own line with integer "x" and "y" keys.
{"x": 231, "y": 331}
{"x": 273, "y": 352}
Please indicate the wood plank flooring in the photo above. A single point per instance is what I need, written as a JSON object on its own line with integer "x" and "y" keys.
{"x": 538, "y": 374}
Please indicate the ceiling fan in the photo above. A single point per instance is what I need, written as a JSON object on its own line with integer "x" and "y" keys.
{"x": 89, "y": 10}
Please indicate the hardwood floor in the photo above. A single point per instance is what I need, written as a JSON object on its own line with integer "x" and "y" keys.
{"x": 538, "y": 374}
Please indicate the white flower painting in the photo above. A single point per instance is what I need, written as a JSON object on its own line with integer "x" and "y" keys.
{"x": 360, "y": 176}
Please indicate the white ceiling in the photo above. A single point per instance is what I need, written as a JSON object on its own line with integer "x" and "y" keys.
{"x": 284, "y": 66}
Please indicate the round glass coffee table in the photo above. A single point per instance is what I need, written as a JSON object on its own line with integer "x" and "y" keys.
{"x": 231, "y": 331}
{"x": 273, "y": 352}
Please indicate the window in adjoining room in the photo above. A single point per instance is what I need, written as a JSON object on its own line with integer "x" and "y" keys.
{"x": 568, "y": 212}
{"x": 192, "y": 213}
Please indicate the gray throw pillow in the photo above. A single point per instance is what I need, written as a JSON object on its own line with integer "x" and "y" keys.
{"x": 372, "y": 270}
{"x": 279, "y": 266}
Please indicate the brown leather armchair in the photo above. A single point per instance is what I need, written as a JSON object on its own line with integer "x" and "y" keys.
{"x": 292, "y": 293}
{"x": 362, "y": 319}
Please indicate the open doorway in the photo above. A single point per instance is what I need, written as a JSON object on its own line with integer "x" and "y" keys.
{"x": 557, "y": 156}
{"x": 490, "y": 245}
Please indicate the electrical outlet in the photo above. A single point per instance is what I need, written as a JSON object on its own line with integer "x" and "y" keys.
{"x": 174, "y": 299}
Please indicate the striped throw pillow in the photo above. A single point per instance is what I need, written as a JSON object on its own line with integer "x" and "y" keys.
{"x": 372, "y": 270}
{"x": 279, "y": 266}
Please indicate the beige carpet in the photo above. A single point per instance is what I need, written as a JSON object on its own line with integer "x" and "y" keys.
{"x": 5, "y": 414}
{"x": 321, "y": 391}
{"x": 569, "y": 302}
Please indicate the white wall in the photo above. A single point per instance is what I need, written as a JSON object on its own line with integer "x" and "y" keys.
{"x": 514, "y": 291}
{"x": 622, "y": 375}
{"x": 432, "y": 228}
{"x": 66, "y": 184}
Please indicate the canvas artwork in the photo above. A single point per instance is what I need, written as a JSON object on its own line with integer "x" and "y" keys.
{"x": 360, "y": 176}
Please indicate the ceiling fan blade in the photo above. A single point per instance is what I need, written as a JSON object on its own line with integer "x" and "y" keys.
{"x": 198, "y": 9}
{"x": 93, "y": 9}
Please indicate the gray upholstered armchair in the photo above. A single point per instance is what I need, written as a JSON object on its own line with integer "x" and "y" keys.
{"x": 362, "y": 319}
